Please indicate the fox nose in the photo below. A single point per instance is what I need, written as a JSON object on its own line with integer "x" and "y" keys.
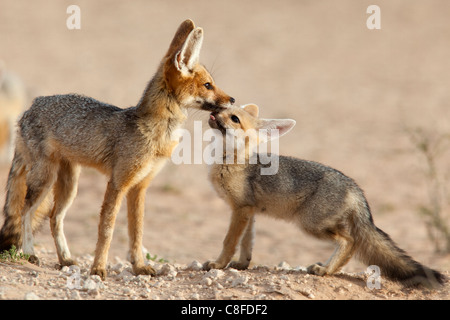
{"x": 232, "y": 100}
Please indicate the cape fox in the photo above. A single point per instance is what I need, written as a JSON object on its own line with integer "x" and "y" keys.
{"x": 320, "y": 200}
{"x": 60, "y": 133}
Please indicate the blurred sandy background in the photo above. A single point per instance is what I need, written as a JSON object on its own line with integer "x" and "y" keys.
{"x": 354, "y": 92}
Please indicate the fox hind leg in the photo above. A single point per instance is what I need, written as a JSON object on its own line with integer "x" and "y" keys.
{"x": 65, "y": 190}
{"x": 40, "y": 179}
{"x": 340, "y": 257}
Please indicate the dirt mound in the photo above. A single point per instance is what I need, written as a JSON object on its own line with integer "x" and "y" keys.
{"x": 22, "y": 280}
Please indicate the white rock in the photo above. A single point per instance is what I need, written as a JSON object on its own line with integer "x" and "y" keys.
{"x": 128, "y": 291}
{"x": 143, "y": 279}
{"x": 74, "y": 269}
{"x": 241, "y": 280}
{"x": 95, "y": 278}
{"x": 158, "y": 284}
{"x": 98, "y": 281}
{"x": 65, "y": 269}
{"x": 214, "y": 274}
{"x": 119, "y": 267}
{"x": 283, "y": 266}
{"x": 31, "y": 296}
{"x": 195, "y": 266}
{"x": 126, "y": 275}
{"x": 166, "y": 269}
{"x": 179, "y": 266}
{"x": 195, "y": 296}
{"x": 233, "y": 271}
{"x": 300, "y": 268}
{"x": 207, "y": 281}
{"x": 75, "y": 295}
{"x": 89, "y": 284}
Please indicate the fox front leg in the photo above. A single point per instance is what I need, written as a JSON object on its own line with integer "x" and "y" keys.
{"x": 135, "y": 203}
{"x": 240, "y": 219}
{"x": 110, "y": 207}
{"x": 246, "y": 247}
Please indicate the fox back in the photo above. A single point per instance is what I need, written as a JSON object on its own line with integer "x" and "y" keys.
{"x": 304, "y": 192}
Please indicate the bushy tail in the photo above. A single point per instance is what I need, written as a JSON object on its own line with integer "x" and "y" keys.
{"x": 375, "y": 247}
{"x": 16, "y": 189}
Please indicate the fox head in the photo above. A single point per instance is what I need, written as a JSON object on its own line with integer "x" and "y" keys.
{"x": 243, "y": 130}
{"x": 188, "y": 80}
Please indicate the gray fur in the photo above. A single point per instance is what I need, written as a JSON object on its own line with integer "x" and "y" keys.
{"x": 321, "y": 200}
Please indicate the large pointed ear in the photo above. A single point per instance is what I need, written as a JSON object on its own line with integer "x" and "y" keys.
{"x": 188, "y": 57}
{"x": 271, "y": 125}
{"x": 180, "y": 37}
{"x": 252, "y": 109}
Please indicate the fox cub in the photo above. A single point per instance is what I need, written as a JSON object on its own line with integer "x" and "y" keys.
{"x": 320, "y": 200}
{"x": 60, "y": 133}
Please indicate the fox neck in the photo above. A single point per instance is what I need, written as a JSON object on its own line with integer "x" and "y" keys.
{"x": 159, "y": 104}
{"x": 237, "y": 156}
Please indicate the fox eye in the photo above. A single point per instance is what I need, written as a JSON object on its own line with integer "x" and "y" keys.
{"x": 208, "y": 86}
{"x": 235, "y": 119}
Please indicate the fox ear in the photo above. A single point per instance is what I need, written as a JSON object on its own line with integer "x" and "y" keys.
{"x": 270, "y": 125}
{"x": 189, "y": 55}
{"x": 252, "y": 109}
{"x": 180, "y": 37}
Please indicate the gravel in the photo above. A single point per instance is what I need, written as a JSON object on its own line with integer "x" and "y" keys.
{"x": 24, "y": 281}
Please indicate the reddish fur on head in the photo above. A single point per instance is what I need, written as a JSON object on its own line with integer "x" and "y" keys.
{"x": 189, "y": 81}
{"x": 193, "y": 86}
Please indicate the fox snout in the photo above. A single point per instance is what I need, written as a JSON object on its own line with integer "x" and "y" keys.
{"x": 218, "y": 105}
{"x": 215, "y": 122}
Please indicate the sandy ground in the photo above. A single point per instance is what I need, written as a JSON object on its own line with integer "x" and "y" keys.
{"x": 354, "y": 93}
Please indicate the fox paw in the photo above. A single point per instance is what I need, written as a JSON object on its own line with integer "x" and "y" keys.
{"x": 239, "y": 265}
{"x": 34, "y": 260}
{"x": 208, "y": 265}
{"x": 144, "y": 270}
{"x": 318, "y": 269}
{"x": 101, "y": 272}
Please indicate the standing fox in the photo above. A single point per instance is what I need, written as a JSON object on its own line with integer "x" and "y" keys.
{"x": 320, "y": 200}
{"x": 60, "y": 133}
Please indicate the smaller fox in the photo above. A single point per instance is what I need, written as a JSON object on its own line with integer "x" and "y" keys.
{"x": 322, "y": 201}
